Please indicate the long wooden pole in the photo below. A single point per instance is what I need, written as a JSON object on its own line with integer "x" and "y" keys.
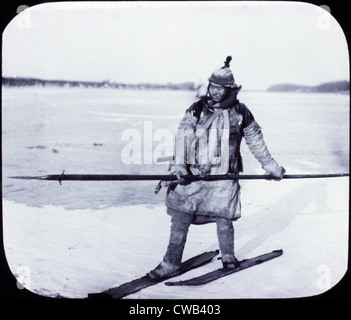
{"x": 166, "y": 177}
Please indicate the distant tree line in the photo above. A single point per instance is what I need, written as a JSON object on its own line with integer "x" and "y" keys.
{"x": 19, "y": 82}
{"x": 337, "y": 86}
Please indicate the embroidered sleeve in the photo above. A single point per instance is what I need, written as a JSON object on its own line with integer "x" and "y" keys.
{"x": 254, "y": 139}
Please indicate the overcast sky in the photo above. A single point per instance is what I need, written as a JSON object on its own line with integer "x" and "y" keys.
{"x": 164, "y": 42}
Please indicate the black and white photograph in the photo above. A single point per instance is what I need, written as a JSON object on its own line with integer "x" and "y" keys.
{"x": 175, "y": 150}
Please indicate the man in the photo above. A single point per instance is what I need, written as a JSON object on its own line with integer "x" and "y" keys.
{"x": 219, "y": 113}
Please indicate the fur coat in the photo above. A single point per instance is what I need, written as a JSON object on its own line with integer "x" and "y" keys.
{"x": 210, "y": 200}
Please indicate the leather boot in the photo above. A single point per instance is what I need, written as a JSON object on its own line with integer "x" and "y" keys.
{"x": 173, "y": 257}
{"x": 225, "y": 235}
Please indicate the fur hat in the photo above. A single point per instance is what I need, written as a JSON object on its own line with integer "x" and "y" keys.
{"x": 223, "y": 76}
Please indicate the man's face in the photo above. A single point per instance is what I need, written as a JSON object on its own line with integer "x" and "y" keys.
{"x": 217, "y": 92}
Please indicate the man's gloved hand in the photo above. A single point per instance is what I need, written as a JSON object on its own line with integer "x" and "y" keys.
{"x": 277, "y": 173}
{"x": 178, "y": 170}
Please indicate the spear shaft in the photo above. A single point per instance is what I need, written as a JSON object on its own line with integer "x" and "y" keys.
{"x": 166, "y": 177}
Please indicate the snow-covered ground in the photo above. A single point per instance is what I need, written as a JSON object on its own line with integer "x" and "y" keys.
{"x": 85, "y": 237}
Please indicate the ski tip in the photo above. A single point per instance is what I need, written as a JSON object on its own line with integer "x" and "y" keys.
{"x": 279, "y": 251}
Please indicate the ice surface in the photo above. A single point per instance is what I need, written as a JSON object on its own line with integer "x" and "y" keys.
{"x": 85, "y": 237}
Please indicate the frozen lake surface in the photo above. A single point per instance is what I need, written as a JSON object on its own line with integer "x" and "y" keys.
{"x": 85, "y": 237}
{"x": 48, "y": 130}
